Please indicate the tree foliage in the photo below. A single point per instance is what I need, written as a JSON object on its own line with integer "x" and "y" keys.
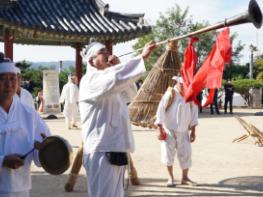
{"x": 236, "y": 72}
{"x": 36, "y": 75}
{"x": 176, "y": 22}
{"x": 33, "y": 75}
{"x": 243, "y": 86}
{"x": 236, "y": 50}
{"x": 259, "y": 67}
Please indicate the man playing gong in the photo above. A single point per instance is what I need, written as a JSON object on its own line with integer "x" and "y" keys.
{"x": 20, "y": 127}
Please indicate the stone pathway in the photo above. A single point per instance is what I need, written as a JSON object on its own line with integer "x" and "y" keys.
{"x": 221, "y": 168}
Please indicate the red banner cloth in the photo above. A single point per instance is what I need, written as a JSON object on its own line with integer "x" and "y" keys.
{"x": 210, "y": 73}
{"x": 190, "y": 60}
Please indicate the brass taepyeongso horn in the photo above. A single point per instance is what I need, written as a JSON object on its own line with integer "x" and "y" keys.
{"x": 143, "y": 108}
{"x": 252, "y": 15}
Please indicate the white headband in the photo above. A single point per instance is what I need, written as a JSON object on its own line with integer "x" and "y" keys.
{"x": 91, "y": 50}
{"x": 8, "y": 67}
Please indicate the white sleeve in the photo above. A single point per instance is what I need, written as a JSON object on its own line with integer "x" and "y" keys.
{"x": 2, "y": 156}
{"x": 27, "y": 98}
{"x": 111, "y": 80}
{"x": 31, "y": 101}
{"x": 128, "y": 73}
{"x": 194, "y": 115}
{"x": 160, "y": 113}
{"x": 129, "y": 93}
{"x": 133, "y": 90}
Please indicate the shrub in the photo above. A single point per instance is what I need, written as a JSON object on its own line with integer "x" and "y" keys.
{"x": 242, "y": 86}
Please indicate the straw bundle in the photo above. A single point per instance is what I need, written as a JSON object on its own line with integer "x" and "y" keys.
{"x": 143, "y": 108}
{"x": 251, "y": 130}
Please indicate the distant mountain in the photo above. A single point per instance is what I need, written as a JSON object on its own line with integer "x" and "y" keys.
{"x": 65, "y": 64}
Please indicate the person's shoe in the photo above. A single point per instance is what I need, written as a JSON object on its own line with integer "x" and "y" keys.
{"x": 188, "y": 182}
{"x": 170, "y": 183}
{"x": 231, "y": 112}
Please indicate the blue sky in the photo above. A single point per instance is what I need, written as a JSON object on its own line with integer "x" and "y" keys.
{"x": 206, "y": 10}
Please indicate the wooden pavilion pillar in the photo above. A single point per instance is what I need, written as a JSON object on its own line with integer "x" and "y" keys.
{"x": 108, "y": 44}
{"x": 8, "y": 44}
{"x": 78, "y": 49}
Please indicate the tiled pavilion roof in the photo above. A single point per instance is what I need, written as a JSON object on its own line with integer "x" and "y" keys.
{"x": 63, "y": 22}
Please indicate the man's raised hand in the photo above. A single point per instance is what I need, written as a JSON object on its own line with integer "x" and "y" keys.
{"x": 148, "y": 48}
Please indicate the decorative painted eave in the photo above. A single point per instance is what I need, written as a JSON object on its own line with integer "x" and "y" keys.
{"x": 7, "y": 3}
{"x": 63, "y": 22}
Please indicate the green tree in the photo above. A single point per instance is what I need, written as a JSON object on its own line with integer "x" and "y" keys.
{"x": 176, "y": 22}
{"x": 31, "y": 74}
{"x": 259, "y": 67}
{"x": 236, "y": 50}
{"x": 24, "y": 65}
{"x": 243, "y": 86}
{"x": 236, "y": 72}
{"x": 173, "y": 23}
{"x": 36, "y": 75}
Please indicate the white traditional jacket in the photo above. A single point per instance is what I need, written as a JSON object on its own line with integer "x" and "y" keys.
{"x": 19, "y": 129}
{"x": 70, "y": 94}
{"x": 26, "y": 98}
{"x": 104, "y": 114}
{"x": 129, "y": 93}
{"x": 179, "y": 117}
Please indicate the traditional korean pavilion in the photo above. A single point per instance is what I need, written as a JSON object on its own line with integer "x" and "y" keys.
{"x": 65, "y": 23}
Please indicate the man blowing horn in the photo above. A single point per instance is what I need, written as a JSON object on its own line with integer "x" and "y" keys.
{"x": 106, "y": 131}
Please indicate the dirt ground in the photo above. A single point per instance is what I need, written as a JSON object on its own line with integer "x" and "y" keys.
{"x": 220, "y": 167}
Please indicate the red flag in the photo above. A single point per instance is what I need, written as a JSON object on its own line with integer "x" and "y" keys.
{"x": 190, "y": 61}
{"x": 210, "y": 98}
{"x": 210, "y": 73}
{"x": 188, "y": 68}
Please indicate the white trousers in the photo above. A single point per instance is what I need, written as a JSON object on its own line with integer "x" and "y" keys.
{"x": 70, "y": 121}
{"x": 71, "y": 114}
{"x": 104, "y": 179}
{"x": 180, "y": 142}
{"x": 15, "y": 194}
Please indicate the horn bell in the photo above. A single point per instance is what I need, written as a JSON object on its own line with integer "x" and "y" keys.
{"x": 255, "y": 14}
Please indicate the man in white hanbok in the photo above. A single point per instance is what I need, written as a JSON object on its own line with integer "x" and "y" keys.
{"x": 24, "y": 95}
{"x": 175, "y": 118}
{"x": 70, "y": 95}
{"x": 20, "y": 127}
{"x": 104, "y": 116}
{"x": 129, "y": 93}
